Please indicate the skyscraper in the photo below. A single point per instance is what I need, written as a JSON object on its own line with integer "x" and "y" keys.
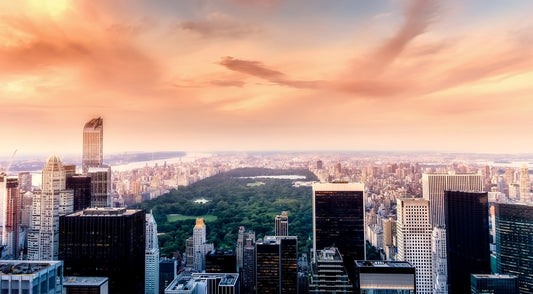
{"x": 514, "y": 248}
{"x": 151, "y": 268}
{"x": 47, "y": 206}
{"x": 282, "y": 224}
{"x": 338, "y": 220}
{"x": 434, "y": 185}
{"x": 493, "y": 284}
{"x": 106, "y": 242}
{"x": 524, "y": 184}
{"x": 467, "y": 238}
{"x": 414, "y": 240}
{"x": 200, "y": 247}
{"x": 276, "y": 265}
{"x": 440, "y": 262}
{"x": 10, "y": 205}
{"x": 81, "y": 187}
{"x": 100, "y": 186}
{"x": 93, "y": 144}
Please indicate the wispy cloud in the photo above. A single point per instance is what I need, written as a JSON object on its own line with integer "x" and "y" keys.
{"x": 220, "y": 25}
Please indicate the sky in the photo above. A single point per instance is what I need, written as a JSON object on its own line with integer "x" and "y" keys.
{"x": 238, "y": 75}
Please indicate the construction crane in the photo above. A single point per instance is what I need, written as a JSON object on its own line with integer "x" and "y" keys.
{"x": 10, "y": 162}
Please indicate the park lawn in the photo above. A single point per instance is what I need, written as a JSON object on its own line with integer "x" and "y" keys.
{"x": 180, "y": 217}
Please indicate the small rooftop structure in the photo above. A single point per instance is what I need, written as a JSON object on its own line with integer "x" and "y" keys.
{"x": 84, "y": 281}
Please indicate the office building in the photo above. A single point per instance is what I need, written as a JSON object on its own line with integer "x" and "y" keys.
{"x": 31, "y": 277}
{"x": 199, "y": 246}
{"x": 338, "y": 220}
{"x": 276, "y": 265}
{"x": 10, "y": 209}
{"x": 221, "y": 261}
{"x": 151, "y": 271}
{"x": 106, "y": 242}
{"x": 434, "y": 185}
{"x": 414, "y": 240}
{"x": 85, "y": 285}
{"x": 372, "y": 276}
{"x": 167, "y": 273}
{"x": 100, "y": 186}
{"x": 282, "y": 224}
{"x": 248, "y": 269}
{"x": 525, "y": 188}
{"x": 93, "y": 144}
{"x": 467, "y": 237}
{"x": 208, "y": 283}
{"x": 440, "y": 262}
{"x": 493, "y": 284}
{"x": 328, "y": 274}
{"x": 514, "y": 248}
{"x": 81, "y": 189}
{"x": 52, "y": 201}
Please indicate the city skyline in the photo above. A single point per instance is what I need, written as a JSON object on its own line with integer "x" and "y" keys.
{"x": 267, "y": 75}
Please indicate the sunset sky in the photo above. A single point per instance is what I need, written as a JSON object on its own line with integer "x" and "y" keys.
{"x": 205, "y": 75}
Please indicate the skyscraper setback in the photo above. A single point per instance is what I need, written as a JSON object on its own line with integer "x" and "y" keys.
{"x": 93, "y": 144}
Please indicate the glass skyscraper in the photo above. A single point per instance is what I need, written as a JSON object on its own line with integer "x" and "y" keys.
{"x": 514, "y": 242}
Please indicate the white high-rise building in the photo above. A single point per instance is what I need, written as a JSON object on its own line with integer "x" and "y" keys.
{"x": 414, "y": 240}
{"x": 200, "y": 247}
{"x": 524, "y": 184}
{"x": 151, "y": 275}
{"x": 48, "y": 205}
{"x": 440, "y": 266}
{"x": 434, "y": 185}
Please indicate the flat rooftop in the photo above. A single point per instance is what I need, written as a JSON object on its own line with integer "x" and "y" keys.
{"x": 340, "y": 186}
{"x": 84, "y": 281}
{"x": 331, "y": 253}
{"x": 104, "y": 211}
{"x": 24, "y": 267}
{"x": 383, "y": 264}
{"x": 494, "y": 276}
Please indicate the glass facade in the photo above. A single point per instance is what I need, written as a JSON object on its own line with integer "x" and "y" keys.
{"x": 514, "y": 242}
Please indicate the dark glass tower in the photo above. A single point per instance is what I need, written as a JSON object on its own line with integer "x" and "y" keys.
{"x": 514, "y": 242}
{"x": 105, "y": 242}
{"x": 467, "y": 237}
{"x": 81, "y": 185}
{"x": 338, "y": 220}
{"x": 276, "y": 265}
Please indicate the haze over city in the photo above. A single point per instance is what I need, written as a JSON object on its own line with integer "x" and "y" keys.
{"x": 267, "y": 75}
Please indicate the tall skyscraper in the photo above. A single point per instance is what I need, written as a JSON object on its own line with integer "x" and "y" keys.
{"x": 514, "y": 248}
{"x": 200, "y": 245}
{"x": 525, "y": 189}
{"x": 93, "y": 144}
{"x": 440, "y": 262}
{"x": 47, "y": 207}
{"x": 434, "y": 185}
{"x": 414, "y": 240}
{"x": 338, "y": 220}
{"x": 105, "y": 242}
{"x": 467, "y": 238}
{"x": 276, "y": 265}
{"x": 25, "y": 182}
{"x": 10, "y": 206}
{"x": 282, "y": 224}
{"x": 151, "y": 273}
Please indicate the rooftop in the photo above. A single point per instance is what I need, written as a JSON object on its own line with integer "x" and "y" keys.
{"x": 381, "y": 263}
{"x": 493, "y": 276}
{"x": 84, "y": 281}
{"x": 342, "y": 186}
{"x": 94, "y": 123}
{"x": 104, "y": 211}
{"x": 24, "y": 267}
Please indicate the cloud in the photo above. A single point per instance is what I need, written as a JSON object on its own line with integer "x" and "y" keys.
{"x": 258, "y": 69}
{"x": 220, "y": 25}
